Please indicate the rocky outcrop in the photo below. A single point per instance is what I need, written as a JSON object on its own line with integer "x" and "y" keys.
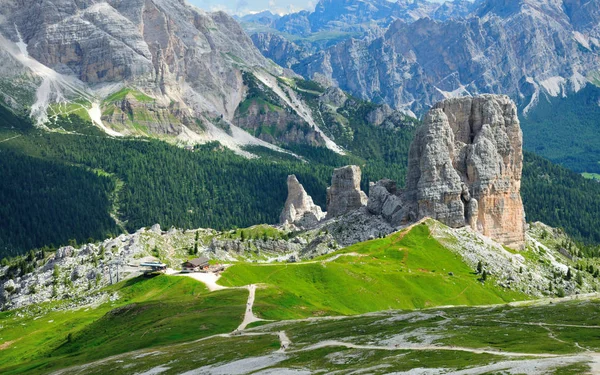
{"x": 277, "y": 125}
{"x": 464, "y": 168}
{"x": 132, "y": 116}
{"x": 334, "y": 97}
{"x": 386, "y": 200}
{"x": 299, "y": 208}
{"x": 82, "y": 273}
{"x": 344, "y": 194}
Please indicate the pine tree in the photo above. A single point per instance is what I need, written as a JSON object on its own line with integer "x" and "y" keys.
{"x": 569, "y": 275}
{"x": 479, "y": 267}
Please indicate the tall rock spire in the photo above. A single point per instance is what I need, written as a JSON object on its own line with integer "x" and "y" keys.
{"x": 344, "y": 194}
{"x": 465, "y": 167}
{"x": 299, "y": 207}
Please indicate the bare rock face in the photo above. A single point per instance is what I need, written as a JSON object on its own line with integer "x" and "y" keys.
{"x": 344, "y": 194}
{"x": 184, "y": 65}
{"x": 521, "y": 48}
{"x": 333, "y": 96}
{"x": 385, "y": 201}
{"x": 299, "y": 207}
{"x": 465, "y": 167}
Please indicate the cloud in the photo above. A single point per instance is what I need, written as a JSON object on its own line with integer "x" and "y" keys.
{"x": 241, "y": 4}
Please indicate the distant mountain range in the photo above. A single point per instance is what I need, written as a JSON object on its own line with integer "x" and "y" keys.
{"x": 411, "y": 54}
{"x": 357, "y": 16}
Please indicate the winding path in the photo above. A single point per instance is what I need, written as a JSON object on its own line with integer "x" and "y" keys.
{"x": 330, "y": 343}
{"x": 249, "y": 316}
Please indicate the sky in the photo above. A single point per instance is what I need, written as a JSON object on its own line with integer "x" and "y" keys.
{"x": 240, "y": 7}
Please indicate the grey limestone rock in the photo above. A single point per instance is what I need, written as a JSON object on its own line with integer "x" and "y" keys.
{"x": 465, "y": 167}
{"x": 299, "y": 207}
{"x": 334, "y": 97}
{"x": 344, "y": 194}
{"x": 523, "y": 48}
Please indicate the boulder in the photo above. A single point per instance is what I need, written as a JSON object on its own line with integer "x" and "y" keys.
{"x": 64, "y": 252}
{"x": 344, "y": 194}
{"x": 299, "y": 207}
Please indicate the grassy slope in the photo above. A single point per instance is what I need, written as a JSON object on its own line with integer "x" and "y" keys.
{"x": 150, "y": 312}
{"x": 591, "y": 176}
{"x": 527, "y": 329}
{"x": 405, "y": 270}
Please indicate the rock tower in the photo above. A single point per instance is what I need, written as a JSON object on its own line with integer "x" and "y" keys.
{"x": 299, "y": 207}
{"x": 464, "y": 168}
{"x": 344, "y": 194}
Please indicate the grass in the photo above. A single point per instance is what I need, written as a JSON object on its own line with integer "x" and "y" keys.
{"x": 121, "y": 94}
{"x": 504, "y": 328}
{"x": 150, "y": 312}
{"x": 403, "y": 271}
{"x": 183, "y": 357}
{"x": 256, "y": 232}
{"x": 264, "y": 106}
{"x": 591, "y": 176}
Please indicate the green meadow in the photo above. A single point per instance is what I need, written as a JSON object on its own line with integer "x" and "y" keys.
{"x": 407, "y": 270}
{"x": 149, "y": 312}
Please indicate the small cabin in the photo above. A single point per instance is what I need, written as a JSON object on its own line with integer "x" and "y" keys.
{"x": 195, "y": 265}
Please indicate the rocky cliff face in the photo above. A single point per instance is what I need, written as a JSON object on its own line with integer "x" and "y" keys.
{"x": 139, "y": 67}
{"x": 281, "y": 50}
{"x": 525, "y": 49}
{"x": 344, "y": 194}
{"x": 299, "y": 207}
{"x": 166, "y": 50}
{"x": 464, "y": 168}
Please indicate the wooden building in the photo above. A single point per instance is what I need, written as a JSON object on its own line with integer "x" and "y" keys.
{"x": 195, "y": 265}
